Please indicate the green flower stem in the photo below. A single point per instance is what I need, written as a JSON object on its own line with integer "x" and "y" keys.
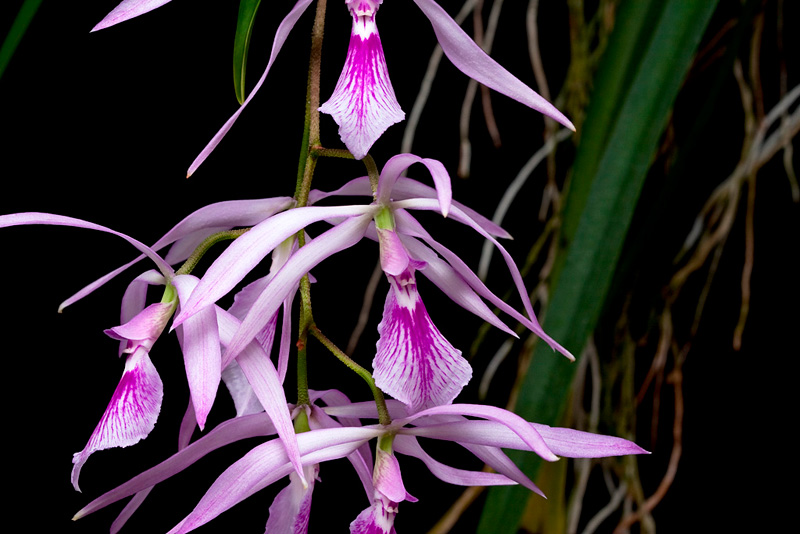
{"x": 305, "y": 173}
{"x": 380, "y": 401}
{"x": 192, "y": 261}
{"x": 302, "y": 371}
{"x": 311, "y": 135}
{"x": 343, "y": 153}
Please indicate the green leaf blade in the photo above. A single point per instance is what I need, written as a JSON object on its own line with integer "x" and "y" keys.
{"x": 241, "y": 44}
{"x": 648, "y": 57}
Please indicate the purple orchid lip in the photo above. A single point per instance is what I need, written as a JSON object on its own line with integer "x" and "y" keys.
{"x": 131, "y": 414}
{"x": 363, "y": 103}
{"x": 414, "y": 362}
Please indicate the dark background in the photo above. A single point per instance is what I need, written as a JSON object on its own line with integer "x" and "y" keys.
{"x": 103, "y": 126}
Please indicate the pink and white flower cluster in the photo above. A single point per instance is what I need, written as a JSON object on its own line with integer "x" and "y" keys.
{"x": 413, "y": 362}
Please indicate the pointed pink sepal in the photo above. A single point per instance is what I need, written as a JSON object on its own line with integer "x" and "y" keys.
{"x": 126, "y": 10}
{"x": 363, "y": 103}
{"x": 131, "y": 414}
{"x": 414, "y": 362}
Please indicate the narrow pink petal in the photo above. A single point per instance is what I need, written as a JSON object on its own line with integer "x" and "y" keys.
{"x": 410, "y": 446}
{"x": 290, "y": 511}
{"x": 263, "y": 378}
{"x": 266, "y": 464}
{"x": 414, "y": 362}
{"x": 497, "y": 460}
{"x": 131, "y": 414}
{"x": 334, "y": 240}
{"x": 472, "y": 61}
{"x": 391, "y": 172}
{"x": 244, "y": 398}
{"x": 129, "y": 510}
{"x": 281, "y": 34}
{"x": 532, "y": 323}
{"x": 561, "y": 441}
{"x": 577, "y": 444}
{"x": 18, "y": 219}
{"x": 201, "y": 223}
{"x": 284, "y": 350}
{"x": 126, "y": 10}
{"x": 363, "y": 103}
{"x": 249, "y": 250}
{"x": 452, "y": 284}
{"x": 243, "y": 301}
{"x": 225, "y": 433}
{"x": 530, "y": 437}
{"x": 405, "y": 188}
{"x": 201, "y": 352}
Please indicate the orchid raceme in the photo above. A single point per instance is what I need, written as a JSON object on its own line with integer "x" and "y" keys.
{"x": 364, "y": 104}
{"x": 231, "y": 306}
{"x": 330, "y": 439}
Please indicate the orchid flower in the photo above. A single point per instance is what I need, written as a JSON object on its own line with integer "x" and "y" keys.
{"x": 267, "y": 463}
{"x": 389, "y": 492}
{"x": 136, "y": 402}
{"x": 363, "y": 103}
{"x": 290, "y": 508}
{"x": 414, "y": 362}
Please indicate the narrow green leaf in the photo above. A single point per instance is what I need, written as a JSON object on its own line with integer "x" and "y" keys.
{"x": 648, "y": 56}
{"x": 18, "y": 28}
{"x": 241, "y": 44}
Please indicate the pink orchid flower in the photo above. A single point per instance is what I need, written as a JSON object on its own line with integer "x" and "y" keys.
{"x": 363, "y": 103}
{"x": 338, "y": 434}
{"x": 135, "y": 404}
{"x": 408, "y": 334}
